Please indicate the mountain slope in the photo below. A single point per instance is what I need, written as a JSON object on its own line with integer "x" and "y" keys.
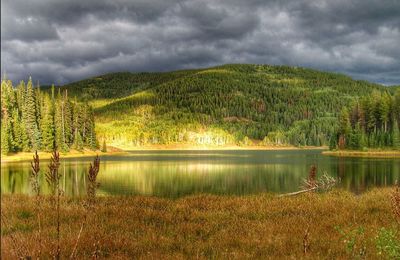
{"x": 227, "y": 104}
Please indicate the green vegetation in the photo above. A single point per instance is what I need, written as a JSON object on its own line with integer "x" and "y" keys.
{"x": 373, "y": 122}
{"x": 229, "y": 105}
{"x": 224, "y": 105}
{"x": 35, "y": 120}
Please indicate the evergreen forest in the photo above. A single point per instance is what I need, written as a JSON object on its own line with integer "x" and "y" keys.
{"x": 233, "y": 104}
{"x": 35, "y": 120}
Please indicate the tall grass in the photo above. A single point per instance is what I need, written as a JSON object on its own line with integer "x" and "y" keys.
{"x": 89, "y": 204}
{"x": 220, "y": 227}
{"x": 395, "y": 197}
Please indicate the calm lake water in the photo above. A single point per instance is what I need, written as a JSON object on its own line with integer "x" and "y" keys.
{"x": 180, "y": 173}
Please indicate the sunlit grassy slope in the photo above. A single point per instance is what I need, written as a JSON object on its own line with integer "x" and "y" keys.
{"x": 229, "y": 104}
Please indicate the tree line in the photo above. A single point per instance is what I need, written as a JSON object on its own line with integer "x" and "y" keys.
{"x": 371, "y": 122}
{"x": 35, "y": 120}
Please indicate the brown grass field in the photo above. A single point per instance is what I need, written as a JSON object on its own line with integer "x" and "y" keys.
{"x": 332, "y": 225}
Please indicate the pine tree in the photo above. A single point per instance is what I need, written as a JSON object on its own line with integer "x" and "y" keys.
{"x": 60, "y": 140}
{"x": 5, "y": 136}
{"x": 47, "y": 125}
{"x": 67, "y": 118}
{"x": 77, "y": 125}
{"x": 30, "y": 117}
{"x": 92, "y": 141}
{"x": 344, "y": 128}
{"x": 396, "y": 135}
{"x": 17, "y": 131}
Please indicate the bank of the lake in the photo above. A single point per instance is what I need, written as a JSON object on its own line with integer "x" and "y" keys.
{"x": 368, "y": 153}
{"x": 205, "y": 226}
{"x": 121, "y": 150}
{"x": 27, "y": 156}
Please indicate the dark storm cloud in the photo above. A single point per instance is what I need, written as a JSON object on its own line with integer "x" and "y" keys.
{"x": 59, "y": 41}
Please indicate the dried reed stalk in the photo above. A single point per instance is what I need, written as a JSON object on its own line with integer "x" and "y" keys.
{"x": 35, "y": 165}
{"x": 53, "y": 179}
{"x": 93, "y": 184}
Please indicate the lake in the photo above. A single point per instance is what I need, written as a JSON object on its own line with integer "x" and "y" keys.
{"x": 180, "y": 173}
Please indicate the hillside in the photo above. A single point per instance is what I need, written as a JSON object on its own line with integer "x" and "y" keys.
{"x": 229, "y": 104}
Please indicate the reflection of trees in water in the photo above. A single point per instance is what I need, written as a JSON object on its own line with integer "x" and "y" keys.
{"x": 361, "y": 174}
{"x": 171, "y": 179}
{"x": 219, "y": 176}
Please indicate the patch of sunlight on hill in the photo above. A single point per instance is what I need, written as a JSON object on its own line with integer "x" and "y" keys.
{"x": 214, "y": 71}
{"x": 98, "y": 103}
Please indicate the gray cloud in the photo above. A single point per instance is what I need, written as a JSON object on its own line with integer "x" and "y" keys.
{"x": 59, "y": 41}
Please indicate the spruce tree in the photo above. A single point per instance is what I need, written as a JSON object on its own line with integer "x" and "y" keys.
{"x": 30, "y": 118}
{"x": 77, "y": 126}
{"x": 344, "y": 128}
{"x": 60, "y": 140}
{"x": 47, "y": 125}
{"x": 5, "y": 136}
{"x": 17, "y": 131}
{"x": 67, "y": 118}
{"x": 396, "y": 135}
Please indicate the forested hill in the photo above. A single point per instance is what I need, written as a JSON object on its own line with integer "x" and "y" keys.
{"x": 229, "y": 104}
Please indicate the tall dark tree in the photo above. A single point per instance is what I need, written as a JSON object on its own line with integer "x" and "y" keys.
{"x": 47, "y": 125}
{"x": 30, "y": 116}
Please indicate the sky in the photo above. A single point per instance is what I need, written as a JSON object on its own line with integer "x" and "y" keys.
{"x": 59, "y": 41}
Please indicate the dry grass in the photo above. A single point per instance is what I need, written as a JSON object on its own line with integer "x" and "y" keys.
{"x": 369, "y": 154}
{"x": 260, "y": 226}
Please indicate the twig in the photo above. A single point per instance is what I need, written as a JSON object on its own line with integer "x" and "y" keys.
{"x": 297, "y": 192}
{"x": 72, "y": 256}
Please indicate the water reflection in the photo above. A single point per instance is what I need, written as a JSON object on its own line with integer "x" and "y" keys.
{"x": 180, "y": 173}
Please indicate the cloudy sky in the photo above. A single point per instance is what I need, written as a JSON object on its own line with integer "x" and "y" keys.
{"x": 59, "y": 41}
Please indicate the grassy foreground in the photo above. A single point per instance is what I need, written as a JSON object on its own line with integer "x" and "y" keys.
{"x": 337, "y": 224}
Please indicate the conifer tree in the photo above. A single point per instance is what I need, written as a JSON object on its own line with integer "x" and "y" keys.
{"x": 30, "y": 118}
{"x": 77, "y": 125}
{"x": 59, "y": 121}
{"x": 68, "y": 123}
{"x": 344, "y": 127}
{"x": 47, "y": 125}
{"x": 5, "y": 136}
{"x": 396, "y": 135}
{"x": 17, "y": 131}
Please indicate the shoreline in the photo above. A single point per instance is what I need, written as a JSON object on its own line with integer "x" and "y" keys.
{"x": 27, "y": 156}
{"x": 367, "y": 154}
{"x": 121, "y": 150}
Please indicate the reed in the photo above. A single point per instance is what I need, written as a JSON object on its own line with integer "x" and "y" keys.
{"x": 34, "y": 176}
{"x": 92, "y": 185}
{"x": 34, "y": 179}
{"x": 53, "y": 179}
